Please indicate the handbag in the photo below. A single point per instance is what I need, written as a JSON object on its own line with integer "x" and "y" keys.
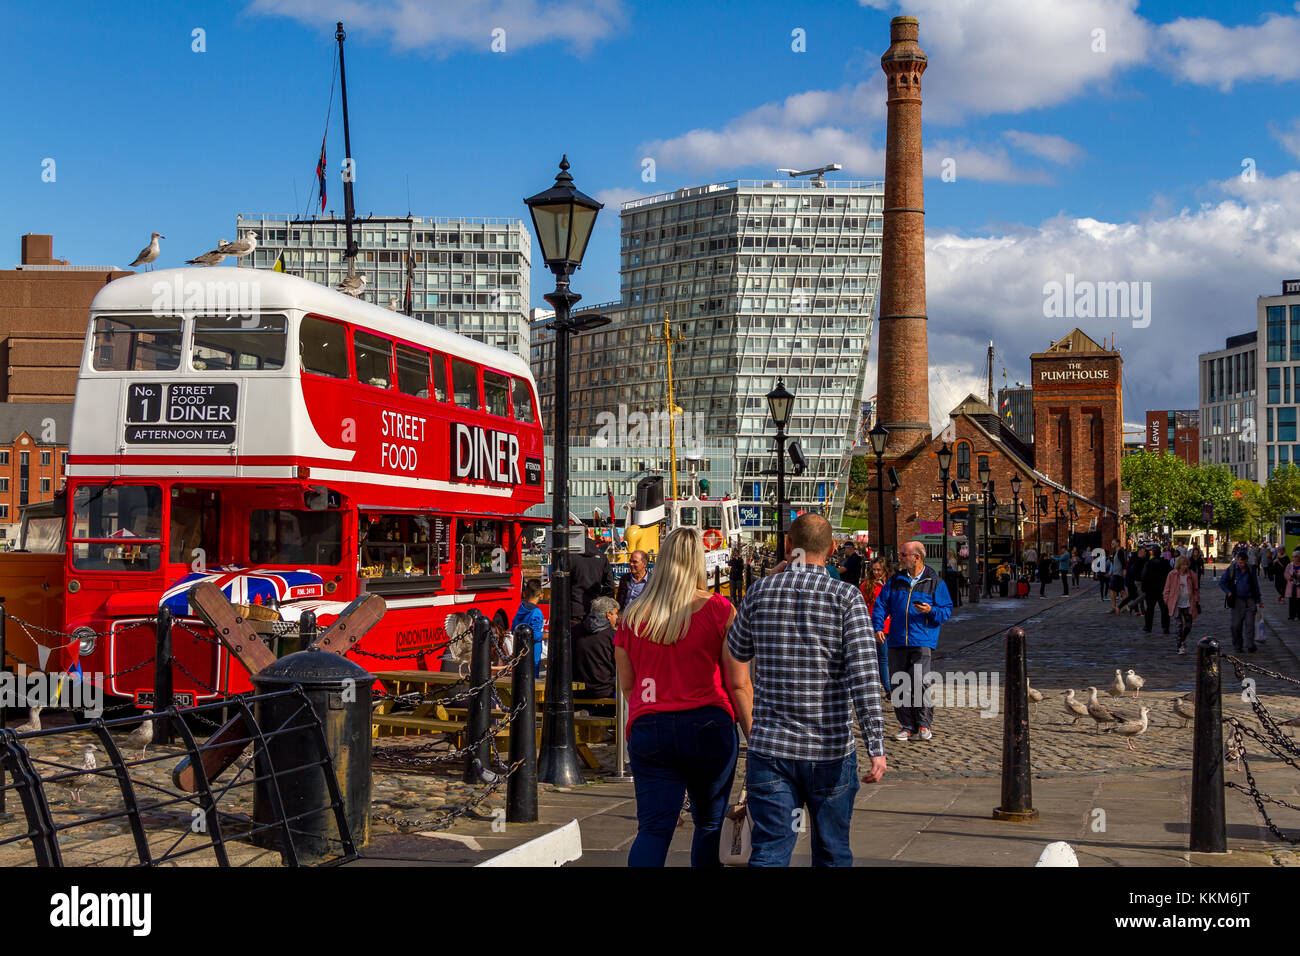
{"x": 737, "y": 835}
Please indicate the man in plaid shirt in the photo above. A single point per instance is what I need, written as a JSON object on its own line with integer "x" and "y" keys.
{"x": 814, "y": 655}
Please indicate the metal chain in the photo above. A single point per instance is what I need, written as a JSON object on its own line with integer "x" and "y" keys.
{"x": 1240, "y": 665}
{"x": 400, "y": 657}
{"x": 446, "y": 819}
{"x": 1252, "y": 788}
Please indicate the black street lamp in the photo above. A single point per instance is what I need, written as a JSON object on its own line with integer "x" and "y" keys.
{"x": 563, "y": 218}
{"x": 1040, "y": 511}
{"x": 987, "y": 482}
{"x": 1015, "y": 519}
{"x": 780, "y": 402}
{"x": 945, "y": 460}
{"x": 878, "y": 436}
{"x": 1056, "y": 523}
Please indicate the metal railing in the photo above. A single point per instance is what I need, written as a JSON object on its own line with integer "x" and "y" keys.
{"x": 166, "y": 823}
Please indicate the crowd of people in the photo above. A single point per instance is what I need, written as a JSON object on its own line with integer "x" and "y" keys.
{"x": 800, "y": 648}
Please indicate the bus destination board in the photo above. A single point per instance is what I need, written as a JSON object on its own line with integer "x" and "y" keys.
{"x": 175, "y": 413}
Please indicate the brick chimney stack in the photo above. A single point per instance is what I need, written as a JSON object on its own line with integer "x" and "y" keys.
{"x": 902, "y": 357}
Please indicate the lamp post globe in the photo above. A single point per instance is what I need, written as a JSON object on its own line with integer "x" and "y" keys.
{"x": 879, "y": 436}
{"x": 563, "y": 218}
{"x": 780, "y": 402}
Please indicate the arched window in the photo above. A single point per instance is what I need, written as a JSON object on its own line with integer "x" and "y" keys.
{"x": 963, "y": 462}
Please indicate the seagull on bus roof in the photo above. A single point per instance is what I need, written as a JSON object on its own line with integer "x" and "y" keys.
{"x": 393, "y": 303}
{"x": 212, "y": 258}
{"x": 150, "y": 252}
{"x": 352, "y": 285}
{"x": 241, "y": 247}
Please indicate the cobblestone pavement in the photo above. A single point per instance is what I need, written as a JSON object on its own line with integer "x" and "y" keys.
{"x": 1073, "y": 643}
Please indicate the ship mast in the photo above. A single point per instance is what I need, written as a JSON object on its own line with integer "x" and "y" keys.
{"x": 670, "y": 405}
{"x": 349, "y": 211}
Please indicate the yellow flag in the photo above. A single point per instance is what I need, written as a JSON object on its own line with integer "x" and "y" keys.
{"x": 279, "y": 262}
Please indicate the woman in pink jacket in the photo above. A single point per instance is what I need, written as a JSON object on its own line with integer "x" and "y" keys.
{"x": 1182, "y": 595}
{"x": 1292, "y": 576}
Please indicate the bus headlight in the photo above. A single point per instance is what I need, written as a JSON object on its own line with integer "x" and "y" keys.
{"x": 86, "y": 640}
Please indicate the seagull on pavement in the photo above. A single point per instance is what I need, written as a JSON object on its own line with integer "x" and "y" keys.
{"x": 33, "y": 722}
{"x": 150, "y": 252}
{"x": 1184, "y": 708}
{"x": 241, "y": 247}
{"x": 1134, "y": 681}
{"x": 142, "y": 736}
{"x": 1117, "y": 689}
{"x": 1035, "y": 697}
{"x": 353, "y": 285}
{"x": 212, "y": 258}
{"x": 75, "y": 784}
{"x": 1133, "y": 728}
{"x": 1234, "y": 753}
{"x": 1097, "y": 712}
{"x": 1074, "y": 708}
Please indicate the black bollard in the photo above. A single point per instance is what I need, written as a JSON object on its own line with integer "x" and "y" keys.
{"x": 521, "y": 791}
{"x": 717, "y": 580}
{"x": 480, "y": 703}
{"x": 307, "y": 630}
{"x": 1208, "y": 830}
{"x": 1017, "y": 791}
{"x": 162, "y": 676}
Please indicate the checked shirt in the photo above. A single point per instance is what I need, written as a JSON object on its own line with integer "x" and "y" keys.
{"x": 814, "y": 655}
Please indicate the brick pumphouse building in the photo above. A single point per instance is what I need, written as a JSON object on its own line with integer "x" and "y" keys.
{"x": 1078, "y": 411}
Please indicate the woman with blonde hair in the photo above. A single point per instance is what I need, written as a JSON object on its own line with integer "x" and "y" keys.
{"x": 685, "y": 694}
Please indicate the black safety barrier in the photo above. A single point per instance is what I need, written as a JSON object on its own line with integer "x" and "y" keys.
{"x": 1208, "y": 829}
{"x": 478, "y": 760}
{"x": 521, "y": 792}
{"x": 1017, "y": 789}
{"x": 163, "y": 674}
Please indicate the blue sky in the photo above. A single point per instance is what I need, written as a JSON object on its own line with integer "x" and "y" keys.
{"x": 1115, "y": 164}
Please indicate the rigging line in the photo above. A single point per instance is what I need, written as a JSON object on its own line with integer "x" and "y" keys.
{"x": 334, "y": 75}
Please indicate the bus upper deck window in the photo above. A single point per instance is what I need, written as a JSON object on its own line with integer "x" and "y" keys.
{"x": 323, "y": 348}
{"x": 464, "y": 383}
{"x": 521, "y": 396}
{"x": 412, "y": 371}
{"x": 439, "y": 376}
{"x": 374, "y": 355}
{"x": 496, "y": 391}
{"x": 137, "y": 343}
{"x": 239, "y": 342}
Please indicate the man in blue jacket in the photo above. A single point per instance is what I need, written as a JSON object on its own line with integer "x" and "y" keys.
{"x": 916, "y": 602}
{"x": 1242, "y": 588}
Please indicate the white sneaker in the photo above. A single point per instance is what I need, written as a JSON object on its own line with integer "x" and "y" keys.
{"x": 926, "y": 734}
{"x": 1181, "y": 649}
{"x": 903, "y": 735}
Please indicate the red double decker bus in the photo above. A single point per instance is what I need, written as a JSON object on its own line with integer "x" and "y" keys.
{"x": 299, "y": 448}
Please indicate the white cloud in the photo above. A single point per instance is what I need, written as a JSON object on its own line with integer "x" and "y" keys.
{"x": 1207, "y": 52}
{"x": 1288, "y": 136}
{"x": 613, "y": 198}
{"x": 1205, "y": 265}
{"x": 1056, "y": 149}
{"x": 446, "y": 25}
{"x": 1009, "y": 56}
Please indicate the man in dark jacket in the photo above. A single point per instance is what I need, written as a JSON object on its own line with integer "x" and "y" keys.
{"x": 593, "y": 655}
{"x": 1242, "y": 588}
{"x": 1153, "y": 589}
{"x": 590, "y": 577}
{"x": 736, "y": 570}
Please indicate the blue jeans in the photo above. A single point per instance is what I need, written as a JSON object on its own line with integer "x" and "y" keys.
{"x": 779, "y": 788}
{"x": 673, "y": 754}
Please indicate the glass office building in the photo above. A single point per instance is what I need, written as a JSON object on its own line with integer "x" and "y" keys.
{"x": 470, "y": 275}
{"x": 761, "y": 280}
{"x": 1228, "y": 397}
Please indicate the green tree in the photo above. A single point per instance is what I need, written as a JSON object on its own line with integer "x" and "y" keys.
{"x": 1215, "y": 484}
{"x": 1281, "y": 495}
{"x": 1248, "y": 497}
{"x": 1160, "y": 489}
